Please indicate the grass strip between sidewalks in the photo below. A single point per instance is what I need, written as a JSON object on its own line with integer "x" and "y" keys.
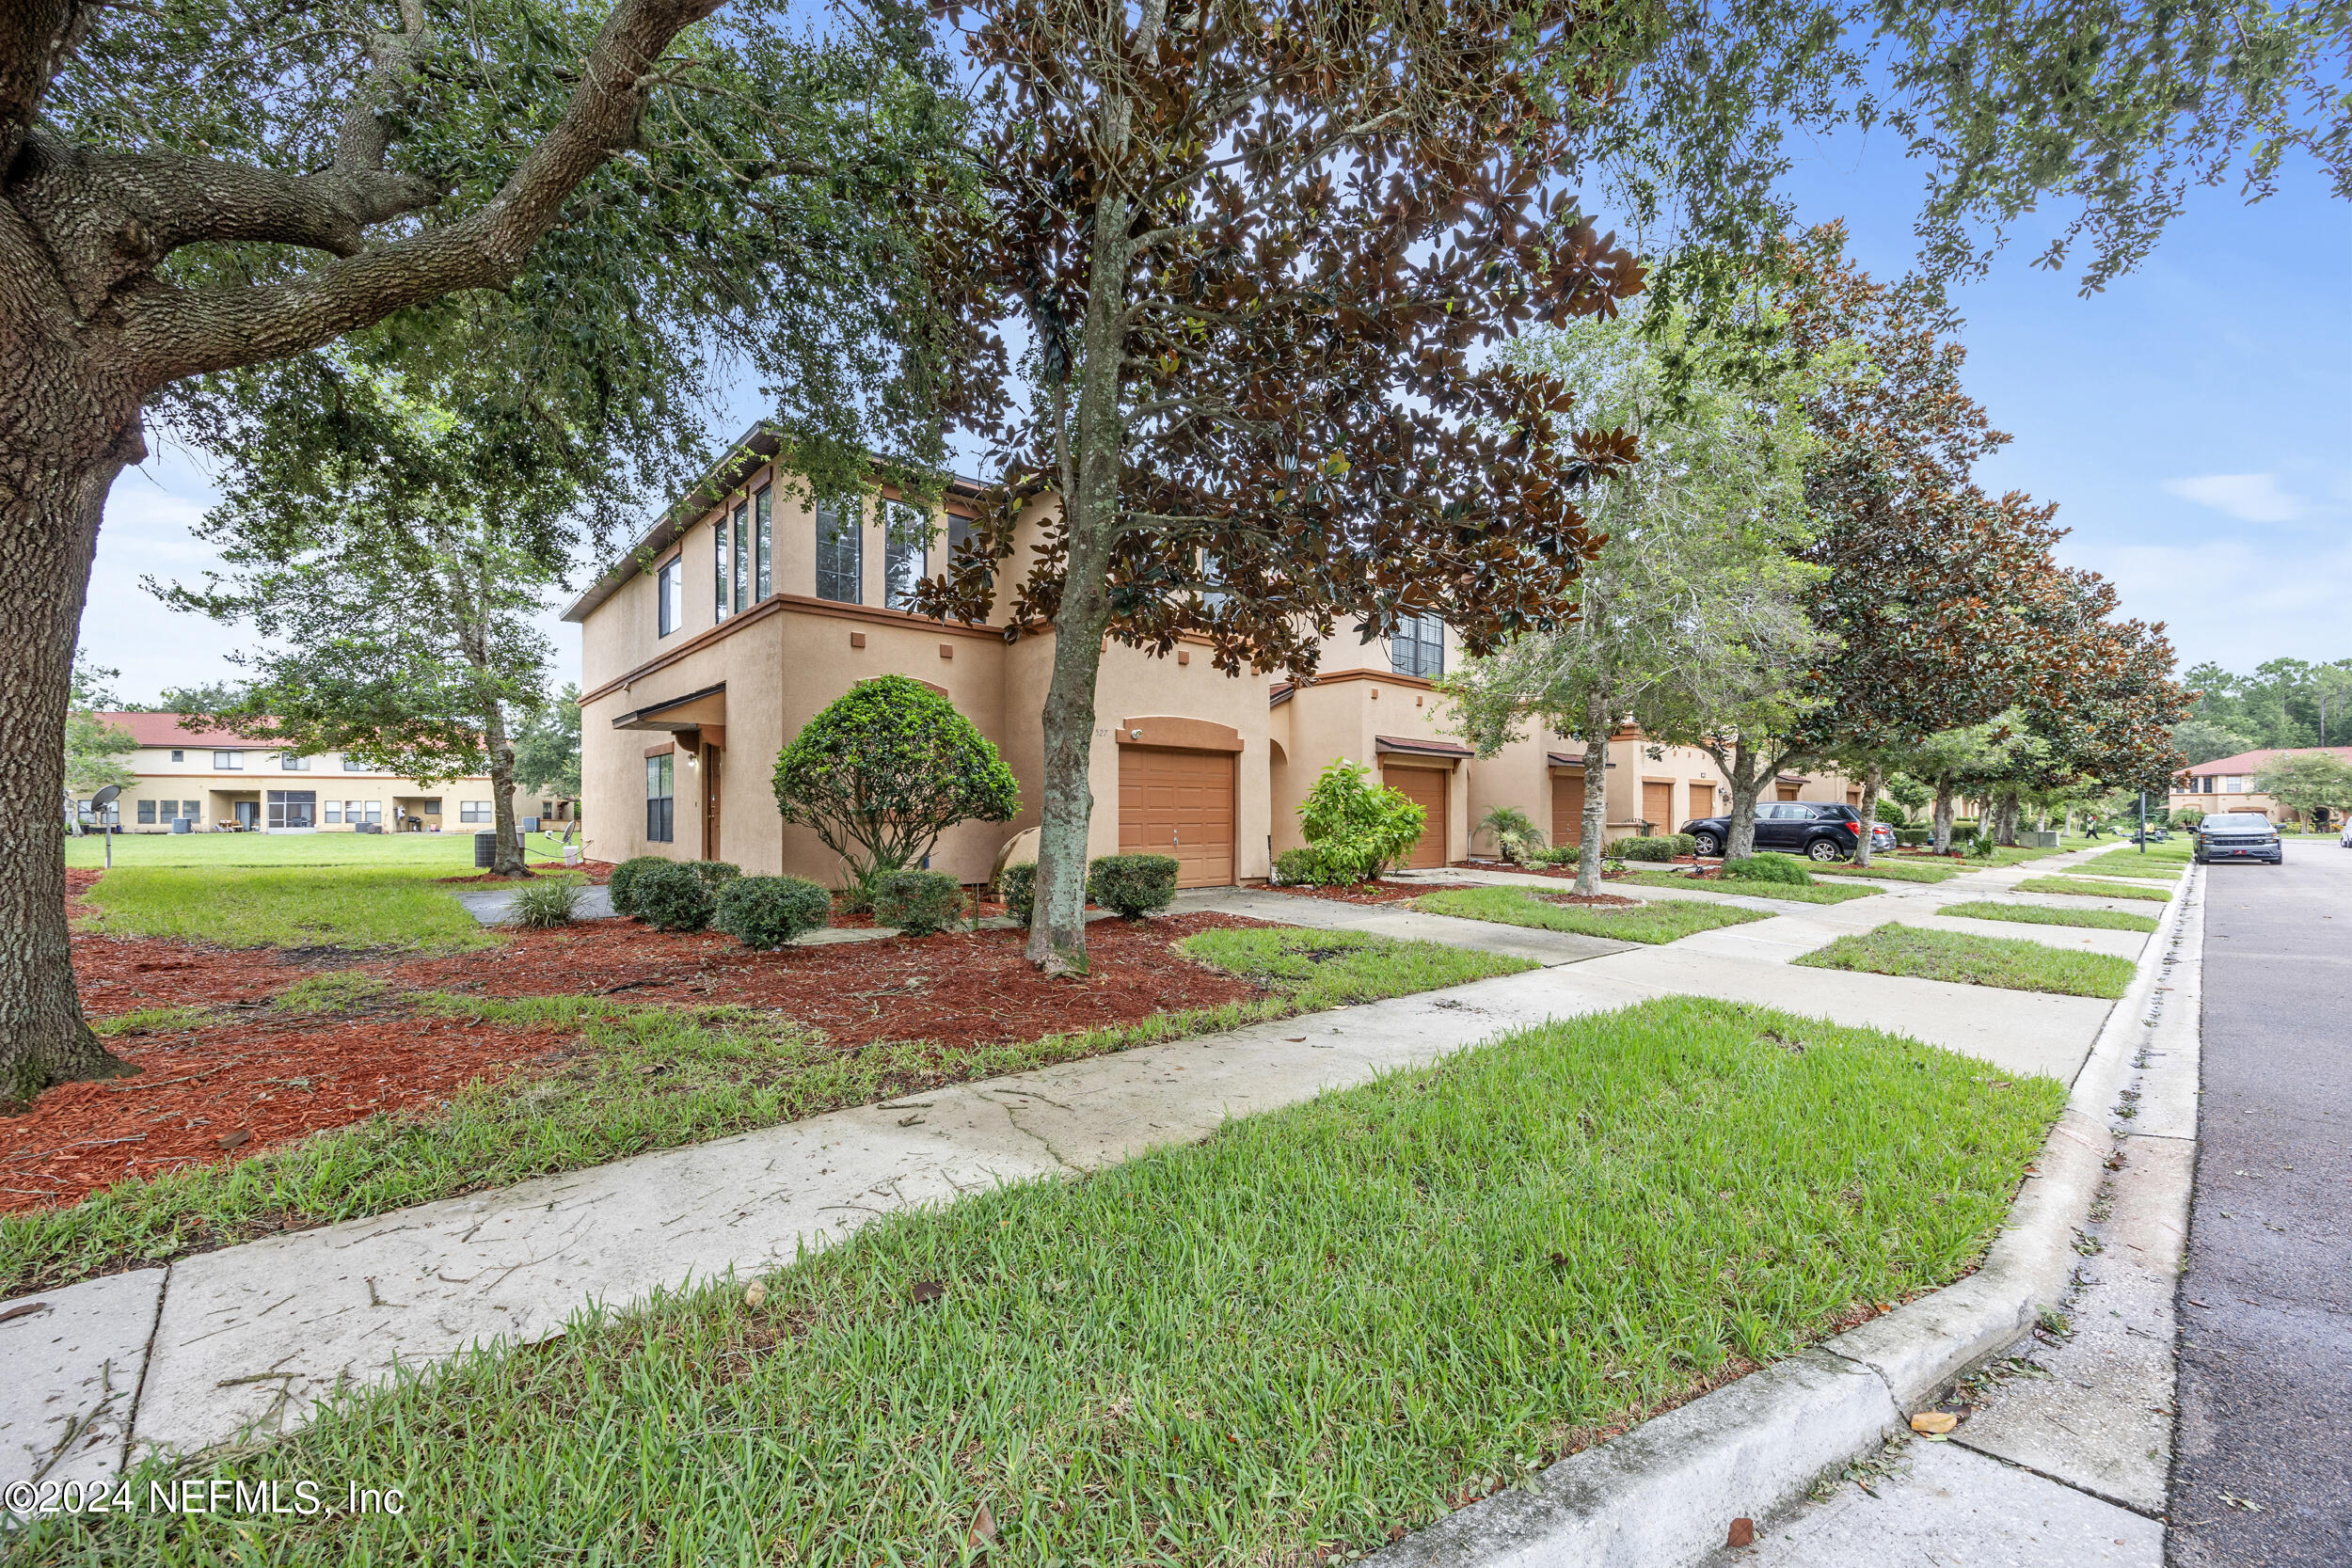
{"x": 643, "y": 1077}
{"x": 2010, "y": 963}
{"x": 2042, "y": 914}
{"x": 2082, "y": 888}
{"x": 1793, "y": 892}
{"x": 1322, "y": 1325}
{"x": 2155, "y": 868}
{"x": 351, "y": 907}
{"x": 1662, "y": 920}
{"x": 1888, "y": 869}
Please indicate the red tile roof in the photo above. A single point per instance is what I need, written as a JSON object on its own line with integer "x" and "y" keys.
{"x": 2251, "y": 762}
{"x": 163, "y": 729}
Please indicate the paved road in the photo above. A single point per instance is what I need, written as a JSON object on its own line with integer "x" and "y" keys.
{"x": 2265, "y": 1303}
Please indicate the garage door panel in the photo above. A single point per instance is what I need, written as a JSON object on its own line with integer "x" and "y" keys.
{"x": 1568, "y": 810}
{"x": 1179, "y": 803}
{"x": 1658, "y": 805}
{"x": 1427, "y": 788}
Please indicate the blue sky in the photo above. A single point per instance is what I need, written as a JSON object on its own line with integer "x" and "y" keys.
{"x": 2194, "y": 422}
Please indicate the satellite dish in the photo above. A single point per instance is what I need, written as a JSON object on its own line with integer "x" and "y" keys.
{"x": 106, "y": 796}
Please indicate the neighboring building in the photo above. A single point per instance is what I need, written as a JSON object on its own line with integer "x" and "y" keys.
{"x": 218, "y": 781}
{"x": 733, "y": 622}
{"x": 2227, "y": 784}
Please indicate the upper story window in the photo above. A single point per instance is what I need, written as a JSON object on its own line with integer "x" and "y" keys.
{"x": 841, "y": 553}
{"x": 353, "y": 765}
{"x": 763, "y": 544}
{"x": 1416, "y": 647}
{"x": 227, "y": 762}
{"x": 906, "y": 551}
{"x": 2232, "y": 784}
{"x": 721, "y": 569}
{"x": 670, "y": 596}
{"x": 289, "y": 762}
{"x": 179, "y": 756}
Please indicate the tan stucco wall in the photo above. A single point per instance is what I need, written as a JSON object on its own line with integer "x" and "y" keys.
{"x": 158, "y": 778}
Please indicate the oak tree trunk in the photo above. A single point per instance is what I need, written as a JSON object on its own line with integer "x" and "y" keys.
{"x": 62, "y": 454}
{"x": 508, "y": 859}
{"x": 1944, "y": 804}
{"x": 1598, "y": 726}
{"x": 1870, "y": 784}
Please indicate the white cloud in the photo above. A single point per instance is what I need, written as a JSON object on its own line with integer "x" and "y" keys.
{"x": 2230, "y": 600}
{"x": 2248, "y": 497}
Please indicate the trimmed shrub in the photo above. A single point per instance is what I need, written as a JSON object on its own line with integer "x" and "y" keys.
{"x": 1769, "y": 866}
{"x": 671, "y": 897}
{"x": 623, "y": 887}
{"x": 1319, "y": 865}
{"x": 1663, "y": 847}
{"x": 1364, "y": 826}
{"x": 545, "y": 904}
{"x": 1017, "y": 886}
{"x": 919, "y": 903}
{"x": 1562, "y": 854}
{"x": 715, "y": 873}
{"x": 1914, "y": 837}
{"x": 768, "y": 911}
{"x": 1134, "y": 885}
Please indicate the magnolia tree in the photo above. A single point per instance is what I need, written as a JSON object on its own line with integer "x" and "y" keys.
{"x": 1688, "y": 618}
{"x": 1254, "y": 259}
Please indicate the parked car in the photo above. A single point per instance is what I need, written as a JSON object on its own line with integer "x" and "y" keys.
{"x": 1817, "y": 830}
{"x": 2238, "y": 835}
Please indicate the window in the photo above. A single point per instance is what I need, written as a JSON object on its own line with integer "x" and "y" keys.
{"x": 289, "y": 762}
{"x": 669, "y": 595}
{"x": 227, "y": 762}
{"x": 906, "y": 551}
{"x": 722, "y": 571}
{"x": 840, "y": 559}
{"x": 763, "y": 544}
{"x": 1416, "y": 647}
{"x": 2232, "y": 784}
{"x": 660, "y": 782}
{"x": 476, "y": 810}
{"x": 179, "y": 756}
{"x": 331, "y": 813}
{"x": 292, "y": 808}
{"x": 147, "y": 812}
{"x": 375, "y": 809}
{"x": 743, "y": 556}
{"x": 353, "y": 765}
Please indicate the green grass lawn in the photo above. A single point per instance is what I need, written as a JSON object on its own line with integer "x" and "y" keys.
{"x": 2158, "y": 868}
{"x": 638, "y": 1077}
{"x": 1891, "y": 870}
{"x": 1310, "y": 1331}
{"x": 1968, "y": 959}
{"x": 353, "y": 906}
{"x": 2089, "y": 889}
{"x": 448, "y": 854}
{"x": 1820, "y": 892}
{"x": 2042, "y": 914}
{"x": 1662, "y": 921}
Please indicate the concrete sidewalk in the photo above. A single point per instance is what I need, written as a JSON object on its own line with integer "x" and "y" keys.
{"x": 186, "y": 1357}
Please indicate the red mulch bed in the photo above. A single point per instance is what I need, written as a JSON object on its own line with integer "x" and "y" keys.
{"x": 1370, "y": 892}
{"x": 275, "y": 1080}
{"x": 592, "y": 871}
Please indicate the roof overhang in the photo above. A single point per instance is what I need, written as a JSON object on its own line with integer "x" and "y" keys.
{"x": 1409, "y": 746}
{"x": 695, "y": 710}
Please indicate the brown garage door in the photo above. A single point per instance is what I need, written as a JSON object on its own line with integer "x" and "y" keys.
{"x": 1788, "y": 791}
{"x": 1179, "y": 803}
{"x": 1426, "y": 787}
{"x": 1658, "y": 805}
{"x": 1567, "y": 808}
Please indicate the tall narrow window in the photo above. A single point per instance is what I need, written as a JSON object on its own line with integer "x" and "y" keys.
{"x": 661, "y": 787}
{"x": 763, "y": 544}
{"x": 906, "y": 551}
{"x": 669, "y": 595}
{"x": 1416, "y": 647}
{"x": 743, "y": 556}
{"x": 840, "y": 560}
{"x": 721, "y": 571}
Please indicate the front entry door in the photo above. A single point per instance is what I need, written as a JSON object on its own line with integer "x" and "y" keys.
{"x": 711, "y": 757}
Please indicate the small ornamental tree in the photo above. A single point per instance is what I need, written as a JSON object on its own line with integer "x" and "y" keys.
{"x": 1356, "y": 823}
{"x": 2307, "y": 782}
{"x": 885, "y": 770}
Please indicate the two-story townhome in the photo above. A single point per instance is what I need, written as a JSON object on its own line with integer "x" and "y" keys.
{"x": 218, "y": 781}
{"x": 745, "y": 609}
{"x": 2227, "y": 784}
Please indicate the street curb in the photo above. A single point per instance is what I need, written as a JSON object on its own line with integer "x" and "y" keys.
{"x": 1665, "y": 1494}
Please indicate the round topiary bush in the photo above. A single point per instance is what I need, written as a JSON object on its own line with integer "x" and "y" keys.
{"x": 671, "y": 897}
{"x": 768, "y": 911}
{"x": 715, "y": 873}
{"x": 623, "y": 885}
{"x": 919, "y": 903}
{"x": 1134, "y": 885}
{"x": 1017, "y": 886}
{"x": 1654, "y": 849}
{"x": 1769, "y": 866}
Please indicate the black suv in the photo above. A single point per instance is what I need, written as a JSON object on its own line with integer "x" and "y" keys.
{"x": 2238, "y": 835}
{"x": 1817, "y": 830}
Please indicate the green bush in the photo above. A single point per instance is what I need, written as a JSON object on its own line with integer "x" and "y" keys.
{"x": 2188, "y": 817}
{"x": 1562, "y": 854}
{"x": 1134, "y": 885}
{"x": 545, "y": 904}
{"x": 1514, "y": 833}
{"x": 1890, "y": 811}
{"x": 623, "y": 886}
{"x": 918, "y": 903}
{"x": 671, "y": 897}
{"x": 1977, "y": 845}
{"x": 1317, "y": 865}
{"x": 715, "y": 873}
{"x": 884, "y": 769}
{"x": 1358, "y": 823}
{"x": 1769, "y": 866}
{"x": 1017, "y": 886}
{"x": 1914, "y": 836}
{"x": 1657, "y": 847}
{"x": 768, "y": 911}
